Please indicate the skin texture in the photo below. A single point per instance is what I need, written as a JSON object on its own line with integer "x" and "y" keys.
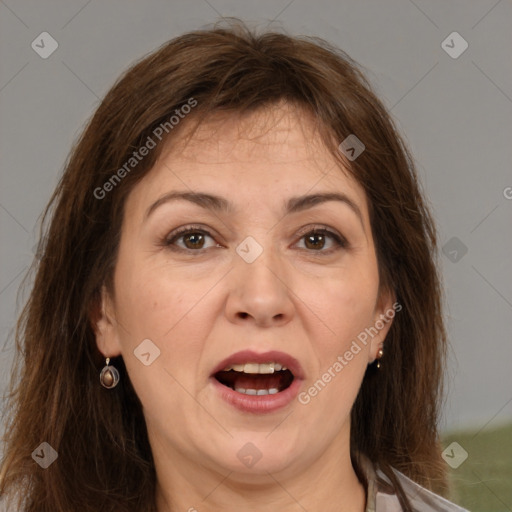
{"x": 200, "y": 307}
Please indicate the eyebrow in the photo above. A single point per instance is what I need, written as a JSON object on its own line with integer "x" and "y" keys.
{"x": 221, "y": 205}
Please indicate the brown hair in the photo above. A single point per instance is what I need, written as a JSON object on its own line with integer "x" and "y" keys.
{"x": 104, "y": 460}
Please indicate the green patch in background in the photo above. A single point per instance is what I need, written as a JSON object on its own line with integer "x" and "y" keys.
{"x": 482, "y": 482}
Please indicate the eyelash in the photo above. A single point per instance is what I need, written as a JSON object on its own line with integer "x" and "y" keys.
{"x": 169, "y": 240}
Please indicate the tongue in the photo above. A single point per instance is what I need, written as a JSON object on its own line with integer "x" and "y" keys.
{"x": 251, "y": 381}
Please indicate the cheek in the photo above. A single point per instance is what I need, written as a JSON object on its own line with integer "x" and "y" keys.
{"x": 154, "y": 300}
{"x": 170, "y": 314}
{"x": 344, "y": 305}
{"x": 352, "y": 300}
{"x": 176, "y": 314}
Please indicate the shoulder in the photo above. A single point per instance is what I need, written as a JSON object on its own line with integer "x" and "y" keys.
{"x": 382, "y": 498}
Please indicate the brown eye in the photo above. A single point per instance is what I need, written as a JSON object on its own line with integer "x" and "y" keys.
{"x": 189, "y": 239}
{"x": 323, "y": 241}
{"x": 193, "y": 240}
{"x": 315, "y": 241}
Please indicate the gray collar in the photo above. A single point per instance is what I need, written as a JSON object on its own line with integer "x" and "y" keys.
{"x": 381, "y": 496}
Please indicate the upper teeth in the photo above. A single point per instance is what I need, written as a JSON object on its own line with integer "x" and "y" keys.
{"x": 256, "y": 368}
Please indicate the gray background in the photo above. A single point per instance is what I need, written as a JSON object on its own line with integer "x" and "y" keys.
{"x": 456, "y": 115}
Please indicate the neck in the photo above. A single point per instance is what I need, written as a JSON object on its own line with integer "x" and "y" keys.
{"x": 327, "y": 484}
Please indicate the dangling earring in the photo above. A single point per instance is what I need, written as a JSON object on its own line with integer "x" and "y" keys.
{"x": 109, "y": 376}
{"x": 380, "y": 353}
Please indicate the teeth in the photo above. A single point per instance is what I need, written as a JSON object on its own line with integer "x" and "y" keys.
{"x": 259, "y": 392}
{"x": 256, "y": 368}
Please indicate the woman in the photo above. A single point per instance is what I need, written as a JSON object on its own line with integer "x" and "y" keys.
{"x": 240, "y": 250}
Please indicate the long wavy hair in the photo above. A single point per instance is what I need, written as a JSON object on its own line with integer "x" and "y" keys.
{"x": 104, "y": 458}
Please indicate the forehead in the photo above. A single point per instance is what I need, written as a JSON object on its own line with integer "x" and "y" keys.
{"x": 275, "y": 151}
{"x": 277, "y": 134}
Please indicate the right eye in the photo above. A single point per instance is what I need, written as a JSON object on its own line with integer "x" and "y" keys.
{"x": 192, "y": 239}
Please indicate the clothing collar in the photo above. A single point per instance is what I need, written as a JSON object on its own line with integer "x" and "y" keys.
{"x": 381, "y": 495}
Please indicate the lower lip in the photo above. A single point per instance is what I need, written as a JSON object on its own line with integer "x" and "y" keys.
{"x": 257, "y": 403}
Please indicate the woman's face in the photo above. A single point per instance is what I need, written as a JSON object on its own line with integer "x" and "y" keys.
{"x": 249, "y": 274}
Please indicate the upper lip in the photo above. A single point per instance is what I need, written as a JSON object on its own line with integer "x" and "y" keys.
{"x": 249, "y": 356}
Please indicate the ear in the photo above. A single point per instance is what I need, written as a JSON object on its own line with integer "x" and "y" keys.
{"x": 385, "y": 311}
{"x": 104, "y": 324}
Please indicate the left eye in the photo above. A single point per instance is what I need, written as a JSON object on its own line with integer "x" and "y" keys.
{"x": 317, "y": 238}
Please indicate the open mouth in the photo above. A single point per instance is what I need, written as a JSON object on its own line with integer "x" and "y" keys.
{"x": 256, "y": 379}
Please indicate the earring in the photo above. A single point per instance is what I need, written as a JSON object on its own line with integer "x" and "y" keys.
{"x": 380, "y": 353}
{"x": 109, "y": 376}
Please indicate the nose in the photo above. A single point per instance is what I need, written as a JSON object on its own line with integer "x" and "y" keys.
{"x": 259, "y": 292}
